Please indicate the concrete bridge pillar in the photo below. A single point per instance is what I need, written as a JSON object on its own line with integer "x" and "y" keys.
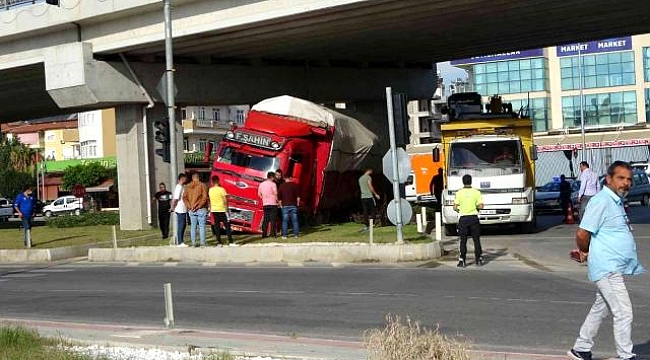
{"x": 139, "y": 169}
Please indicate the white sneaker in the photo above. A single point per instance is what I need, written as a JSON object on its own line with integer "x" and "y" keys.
{"x": 182, "y": 245}
{"x": 284, "y": 238}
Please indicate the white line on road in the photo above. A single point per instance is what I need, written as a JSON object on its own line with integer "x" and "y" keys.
{"x": 52, "y": 270}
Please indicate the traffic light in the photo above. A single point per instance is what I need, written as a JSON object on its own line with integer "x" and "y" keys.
{"x": 162, "y": 136}
{"x": 401, "y": 118}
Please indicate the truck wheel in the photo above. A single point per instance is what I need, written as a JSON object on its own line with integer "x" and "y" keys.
{"x": 528, "y": 228}
{"x": 451, "y": 230}
{"x": 48, "y": 214}
{"x": 645, "y": 200}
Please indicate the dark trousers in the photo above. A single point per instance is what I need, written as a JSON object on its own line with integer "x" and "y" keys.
{"x": 270, "y": 218}
{"x": 469, "y": 225}
{"x": 369, "y": 210}
{"x": 438, "y": 196}
{"x": 221, "y": 218}
{"x": 163, "y": 222}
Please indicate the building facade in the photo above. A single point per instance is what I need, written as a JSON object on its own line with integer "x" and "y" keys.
{"x": 97, "y": 134}
{"x": 203, "y": 124}
{"x": 546, "y": 84}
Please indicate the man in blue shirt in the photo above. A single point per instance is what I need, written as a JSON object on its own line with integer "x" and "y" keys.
{"x": 605, "y": 239}
{"x": 24, "y": 205}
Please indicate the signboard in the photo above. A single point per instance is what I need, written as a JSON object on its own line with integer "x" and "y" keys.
{"x": 162, "y": 88}
{"x": 403, "y": 165}
{"x": 519, "y": 54}
{"x": 253, "y": 139}
{"x": 407, "y": 211}
{"x": 595, "y": 145}
{"x": 594, "y": 47}
{"x": 78, "y": 191}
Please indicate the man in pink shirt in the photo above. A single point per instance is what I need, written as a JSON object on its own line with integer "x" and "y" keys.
{"x": 268, "y": 192}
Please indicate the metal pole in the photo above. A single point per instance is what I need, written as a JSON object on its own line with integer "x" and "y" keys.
{"x": 393, "y": 150}
{"x": 28, "y": 235}
{"x": 438, "y": 226}
{"x": 169, "y": 306}
{"x": 114, "y": 237}
{"x": 371, "y": 230}
{"x": 582, "y": 105}
{"x": 171, "y": 101}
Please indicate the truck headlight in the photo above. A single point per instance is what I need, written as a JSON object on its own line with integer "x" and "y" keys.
{"x": 449, "y": 202}
{"x": 519, "y": 201}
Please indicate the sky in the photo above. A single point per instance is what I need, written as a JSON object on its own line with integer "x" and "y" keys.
{"x": 449, "y": 72}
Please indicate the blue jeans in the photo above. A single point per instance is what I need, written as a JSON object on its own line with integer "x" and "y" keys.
{"x": 27, "y": 225}
{"x": 290, "y": 211}
{"x": 181, "y": 223}
{"x": 197, "y": 218}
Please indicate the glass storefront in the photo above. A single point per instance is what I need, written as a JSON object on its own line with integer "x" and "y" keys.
{"x": 538, "y": 111}
{"x": 511, "y": 77}
{"x": 601, "y": 109}
{"x": 599, "y": 70}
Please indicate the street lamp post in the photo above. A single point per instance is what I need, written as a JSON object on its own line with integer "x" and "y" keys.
{"x": 582, "y": 104}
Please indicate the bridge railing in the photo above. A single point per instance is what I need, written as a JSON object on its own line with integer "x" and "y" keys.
{"x": 9, "y": 4}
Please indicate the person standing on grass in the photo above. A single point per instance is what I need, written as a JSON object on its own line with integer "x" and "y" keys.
{"x": 605, "y": 240}
{"x": 268, "y": 192}
{"x": 368, "y": 196}
{"x": 196, "y": 199}
{"x": 219, "y": 208}
{"x": 468, "y": 202}
{"x": 24, "y": 206}
{"x": 178, "y": 206}
{"x": 289, "y": 201}
{"x": 589, "y": 186}
{"x": 164, "y": 198}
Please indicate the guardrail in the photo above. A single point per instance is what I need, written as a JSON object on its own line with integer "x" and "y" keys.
{"x": 8, "y": 4}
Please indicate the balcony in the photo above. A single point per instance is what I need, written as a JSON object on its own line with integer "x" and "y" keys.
{"x": 203, "y": 126}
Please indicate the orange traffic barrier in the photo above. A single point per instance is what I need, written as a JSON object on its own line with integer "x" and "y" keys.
{"x": 569, "y": 215}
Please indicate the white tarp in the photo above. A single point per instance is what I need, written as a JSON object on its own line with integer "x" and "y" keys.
{"x": 353, "y": 142}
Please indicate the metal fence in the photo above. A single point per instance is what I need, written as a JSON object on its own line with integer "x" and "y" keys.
{"x": 10, "y": 4}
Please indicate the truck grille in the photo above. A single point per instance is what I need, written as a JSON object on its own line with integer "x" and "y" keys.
{"x": 241, "y": 215}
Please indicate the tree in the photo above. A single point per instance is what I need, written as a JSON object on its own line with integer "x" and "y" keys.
{"x": 89, "y": 174}
{"x": 17, "y": 167}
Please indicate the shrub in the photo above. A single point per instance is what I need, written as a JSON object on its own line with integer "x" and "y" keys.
{"x": 410, "y": 341}
{"x": 85, "y": 219}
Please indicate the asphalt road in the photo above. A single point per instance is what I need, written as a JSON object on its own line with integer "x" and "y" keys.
{"x": 529, "y": 297}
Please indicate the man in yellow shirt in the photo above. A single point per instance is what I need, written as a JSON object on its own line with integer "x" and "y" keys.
{"x": 219, "y": 208}
{"x": 468, "y": 202}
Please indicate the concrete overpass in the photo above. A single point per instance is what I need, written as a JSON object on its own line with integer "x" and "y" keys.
{"x": 69, "y": 58}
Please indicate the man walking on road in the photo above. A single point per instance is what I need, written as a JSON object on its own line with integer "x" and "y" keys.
{"x": 605, "y": 239}
{"x": 436, "y": 186}
{"x": 268, "y": 192}
{"x": 178, "y": 206}
{"x": 368, "y": 196}
{"x": 589, "y": 186}
{"x": 195, "y": 198}
{"x": 467, "y": 203}
{"x": 24, "y": 206}
{"x": 289, "y": 201}
{"x": 219, "y": 209}
{"x": 164, "y": 198}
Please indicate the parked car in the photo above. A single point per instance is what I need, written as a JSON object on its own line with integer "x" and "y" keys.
{"x": 640, "y": 190}
{"x": 64, "y": 205}
{"x": 547, "y": 197}
{"x": 6, "y": 209}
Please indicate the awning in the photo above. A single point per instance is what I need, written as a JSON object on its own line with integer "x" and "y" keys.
{"x": 103, "y": 187}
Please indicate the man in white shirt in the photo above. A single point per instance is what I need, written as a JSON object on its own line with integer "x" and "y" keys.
{"x": 178, "y": 206}
{"x": 589, "y": 186}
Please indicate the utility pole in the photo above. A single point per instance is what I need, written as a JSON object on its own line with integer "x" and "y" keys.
{"x": 171, "y": 101}
{"x": 582, "y": 105}
{"x": 393, "y": 150}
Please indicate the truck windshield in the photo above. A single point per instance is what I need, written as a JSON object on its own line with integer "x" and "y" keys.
{"x": 479, "y": 155}
{"x": 232, "y": 156}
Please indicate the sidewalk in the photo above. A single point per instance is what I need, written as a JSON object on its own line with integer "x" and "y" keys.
{"x": 237, "y": 343}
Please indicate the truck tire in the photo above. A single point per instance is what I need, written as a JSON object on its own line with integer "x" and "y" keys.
{"x": 528, "y": 227}
{"x": 451, "y": 229}
{"x": 645, "y": 200}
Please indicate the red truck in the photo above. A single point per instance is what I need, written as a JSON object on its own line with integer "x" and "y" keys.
{"x": 324, "y": 151}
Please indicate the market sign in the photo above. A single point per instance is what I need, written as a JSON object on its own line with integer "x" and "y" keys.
{"x": 519, "y": 54}
{"x": 594, "y": 145}
{"x": 594, "y": 47}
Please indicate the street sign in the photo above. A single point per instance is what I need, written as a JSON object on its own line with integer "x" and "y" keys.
{"x": 162, "y": 88}
{"x": 403, "y": 165}
{"x": 78, "y": 191}
{"x": 407, "y": 211}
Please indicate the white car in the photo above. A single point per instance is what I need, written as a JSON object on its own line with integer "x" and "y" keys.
{"x": 64, "y": 205}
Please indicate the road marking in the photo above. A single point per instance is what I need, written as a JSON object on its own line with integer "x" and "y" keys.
{"x": 52, "y": 270}
{"x": 18, "y": 276}
{"x": 292, "y": 264}
{"x": 132, "y": 264}
{"x": 77, "y": 291}
{"x": 170, "y": 264}
{"x": 209, "y": 264}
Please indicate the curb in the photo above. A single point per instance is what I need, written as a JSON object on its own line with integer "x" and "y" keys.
{"x": 293, "y": 253}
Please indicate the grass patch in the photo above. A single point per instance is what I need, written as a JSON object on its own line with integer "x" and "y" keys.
{"x": 408, "y": 340}
{"x": 343, "y": 233}
{"x": 44, "y": 237}
{"x": 17, "y": 343}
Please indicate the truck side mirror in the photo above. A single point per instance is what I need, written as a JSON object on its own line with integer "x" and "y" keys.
{"x": 297, "y": 170}
{"x": 436, "y": 155}
{"x": 533, "y": 152}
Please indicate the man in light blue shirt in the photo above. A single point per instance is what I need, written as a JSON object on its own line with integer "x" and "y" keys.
{"x": 589, "y": 186}
{"x": 605, "y": 239}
